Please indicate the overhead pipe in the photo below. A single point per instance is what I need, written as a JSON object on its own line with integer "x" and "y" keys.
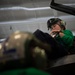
{"x": 62, "y": 8}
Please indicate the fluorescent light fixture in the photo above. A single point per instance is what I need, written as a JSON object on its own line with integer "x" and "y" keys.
{"x": 24, "y": 8}
{"x": 29, "y": 9}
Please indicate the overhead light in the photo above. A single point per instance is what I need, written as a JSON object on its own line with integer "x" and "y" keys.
{"x": 24, "y": 8}
{"x": 29, "y": 9}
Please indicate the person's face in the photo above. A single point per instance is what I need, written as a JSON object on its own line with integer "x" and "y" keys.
{"x": 55, "y": 27}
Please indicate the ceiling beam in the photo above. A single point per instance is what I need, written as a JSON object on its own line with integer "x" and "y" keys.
{"x": 62, "y": 8}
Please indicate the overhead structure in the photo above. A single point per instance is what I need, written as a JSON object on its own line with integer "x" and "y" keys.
{"x": 62, "y": 8}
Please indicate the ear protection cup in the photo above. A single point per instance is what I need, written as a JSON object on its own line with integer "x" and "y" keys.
{"x": 63, "y": 24}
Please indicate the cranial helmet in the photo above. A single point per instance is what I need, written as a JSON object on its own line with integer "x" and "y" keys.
{"x": 53, "y": 21}
{"x": 23, "y": 45}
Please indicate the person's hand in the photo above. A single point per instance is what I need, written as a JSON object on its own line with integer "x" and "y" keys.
{"x": 54, "y": 31}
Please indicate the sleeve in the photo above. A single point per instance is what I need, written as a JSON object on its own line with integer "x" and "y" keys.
{"x": 68, "y": 37}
